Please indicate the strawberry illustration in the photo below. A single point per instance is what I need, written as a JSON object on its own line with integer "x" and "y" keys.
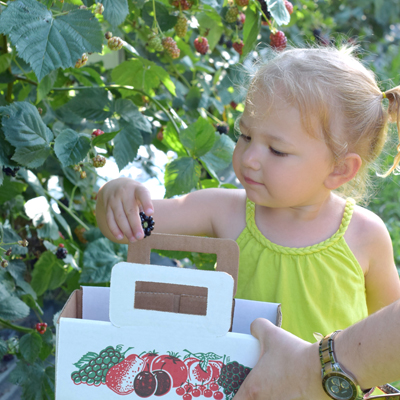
{"x": 121, "y": 377}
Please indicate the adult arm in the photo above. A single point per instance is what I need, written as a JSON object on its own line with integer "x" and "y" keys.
{"x": 289, "y": 368}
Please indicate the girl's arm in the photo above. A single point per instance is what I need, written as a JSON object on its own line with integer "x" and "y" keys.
{"x": 382, "y": 279}
{"x": 206, "y": 212}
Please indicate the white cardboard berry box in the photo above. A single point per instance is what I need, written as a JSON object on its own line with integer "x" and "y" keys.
{"x": 159, "y": 332}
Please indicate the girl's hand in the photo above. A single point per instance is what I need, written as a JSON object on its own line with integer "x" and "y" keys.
{"x": 118, "y": 205}
{"x": 288, "y": 368}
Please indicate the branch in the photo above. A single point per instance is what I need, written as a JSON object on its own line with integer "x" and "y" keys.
{"x": 15, "y": 327}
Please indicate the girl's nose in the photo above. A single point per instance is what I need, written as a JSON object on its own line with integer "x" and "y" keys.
{"x": 251, "y": 158}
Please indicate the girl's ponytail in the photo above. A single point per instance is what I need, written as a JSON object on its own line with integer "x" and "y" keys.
{"x": 393, "y": 95}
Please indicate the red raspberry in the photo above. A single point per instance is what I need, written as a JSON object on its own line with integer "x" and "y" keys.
{"x": 242, "y": 3}
{"x": 201, "y": 45}
{"x": 183, "y": 4}
{"x": 231, "y": 14}
{"x": 181, "y": 26}
{"x": 170, "y": 47}
{"x": 289, "y": 6}
{"x": 61, "y": 245}
{"x": 41, "y": 327}
{"x": 242, "y": 18}
{"x": 238, "y": 46}
{"x": 278, "y": 40}
{"x": 97, "y": 132}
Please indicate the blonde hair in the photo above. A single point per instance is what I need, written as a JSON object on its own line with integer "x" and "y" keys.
{"x": 326, "y": 83}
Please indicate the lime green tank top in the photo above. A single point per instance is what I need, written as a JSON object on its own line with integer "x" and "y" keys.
{"x": 321, "y": 287}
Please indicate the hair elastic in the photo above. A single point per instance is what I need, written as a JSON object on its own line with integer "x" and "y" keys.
{"x": 384, "y": 95}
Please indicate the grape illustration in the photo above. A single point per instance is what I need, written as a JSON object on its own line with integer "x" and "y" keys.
{"x": 93, "y": 367}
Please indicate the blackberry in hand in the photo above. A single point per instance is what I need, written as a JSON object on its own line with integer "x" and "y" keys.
{"x": 147, "y": 223}
{"x": 222, "y": 128}
{"x": 61, "y": 252}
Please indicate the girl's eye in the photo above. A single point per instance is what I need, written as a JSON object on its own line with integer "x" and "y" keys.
{"x": 244, "y": 137}
{"x": 277, "y": 153}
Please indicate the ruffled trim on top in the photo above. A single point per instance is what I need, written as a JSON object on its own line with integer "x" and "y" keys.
{"x": 299, "y": 251}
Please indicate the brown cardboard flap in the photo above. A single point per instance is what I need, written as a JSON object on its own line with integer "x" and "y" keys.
{"x": 73, "y": 307}
{"x": 227, "y": 250}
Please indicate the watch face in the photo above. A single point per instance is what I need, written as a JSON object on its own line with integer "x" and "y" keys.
{"x": 339, "y": 387}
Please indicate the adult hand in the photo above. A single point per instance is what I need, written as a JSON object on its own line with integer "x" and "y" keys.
{"x": 288, "y": 367}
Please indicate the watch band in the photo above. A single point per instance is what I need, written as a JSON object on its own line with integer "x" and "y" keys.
{"x": 330, "y": 367}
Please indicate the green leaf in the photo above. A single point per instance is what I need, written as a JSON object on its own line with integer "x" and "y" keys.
{"x": 48, "y": 273}
{"x": 98, "y": 259}
{"x": 171, "y": 140}
{"x": 198, "y": 137}
{"x": 104, "y": 138}
{"x": 24, "y": 129}
{"x": 45, "y": 85}
{"x": 10, "y": 189}
{"x": 5, "y": 61}
{"x": 3, "y": 348}
{"x": 30, "y": 345}
{"x": 39, "y": 210}
{"x": 94, "y": 104}
{"x": 115, "y": 11}
{"x": 251, "y": 29}
{"x": 129, "y": 139}
{"x": 220, "y": 155}
{"x": 165, "y": 20}
{"x": 71, "y": 147}
{"x": 193, "y": 98}
{"x": 181, "y": 176}
{"x": 11, "y": 307}
{"x": 278, "y": 11}
{"x": 47, "y": 42}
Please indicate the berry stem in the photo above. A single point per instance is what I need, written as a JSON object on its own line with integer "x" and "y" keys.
{"x": 72, "y": 214}
{"x": 15, "y": 327}
{"x": 3, "y": 4}
{"x": 212, "y": 116}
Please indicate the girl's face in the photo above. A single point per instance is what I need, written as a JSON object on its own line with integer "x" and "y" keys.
{"x": 278, "y": 163}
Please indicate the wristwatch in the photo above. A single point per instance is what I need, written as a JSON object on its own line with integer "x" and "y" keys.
{"x": 338, "y": 383}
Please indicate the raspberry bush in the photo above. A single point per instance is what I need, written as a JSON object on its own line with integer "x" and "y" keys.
{"x": 115, "y": 78}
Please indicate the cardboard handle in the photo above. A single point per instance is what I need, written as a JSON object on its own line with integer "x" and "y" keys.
{"x": 216, "y": 322}
{"x": 227, "y": 250}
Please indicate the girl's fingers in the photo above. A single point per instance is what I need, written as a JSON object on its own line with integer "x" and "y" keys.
{"x": 143, "y": 197}
{"x": 132, "y": 213}
{"x": 112, "y": 225}
{"x": 122, "y": 223}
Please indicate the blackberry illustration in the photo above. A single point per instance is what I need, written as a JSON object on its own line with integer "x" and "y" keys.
{"x": 147, "y": 223}
{"x": 232, "y": 376}
{"x": 94, "y": 372}
{"x": 10, "y": 171}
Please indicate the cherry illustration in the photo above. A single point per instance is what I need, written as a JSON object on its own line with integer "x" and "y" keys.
{"x": 163, "y": 382}
{"x": 145, "y": 384}
{"x": 180, "y": 391}
{"x": 196, "y": 392}
{"x": 187, "y": 396}
{"x": 208, "y": 393}
{"x": 218, "y": 395}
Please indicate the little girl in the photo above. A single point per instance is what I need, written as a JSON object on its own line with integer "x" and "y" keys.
{"x": 313, "y": 122}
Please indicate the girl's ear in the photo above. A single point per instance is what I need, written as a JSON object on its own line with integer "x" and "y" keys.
{"x": 343, "y": 172}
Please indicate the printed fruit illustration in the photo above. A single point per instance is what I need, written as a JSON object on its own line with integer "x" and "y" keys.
{"x": 149, "y": 357}
{"x": 163, "y": 382}
{"x": 278, "y": 40}
{"x": 218, "y": 395}
{"x": 232, "y": 376}
{"x": 202, "y": 367}
{"x": 201, "y": 45}
{"x": 145, "y": 384}
{"x": 93, "y": 367}
{"x": 120, "y": 378}
{"x": 174, "y": 366}
{"x": 180, "y": 391}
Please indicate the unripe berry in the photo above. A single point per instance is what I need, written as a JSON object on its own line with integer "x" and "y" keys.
{"x": 289, "y": 6}
{"x": 170, "y": 47}
{"x": 154, "y": 42}
{"x": 99, "y": 161}
{"x": 83, "y": 174}
{"x": 97, "y": 132}
{"x": 23, "y": 243}
{"x": 4, "y": 263}
{"x": 9, "y": 251}
{"x": 99, "y": 8}
{"x": 181, "y": 26}
{"x": 242, "y": 3}
{"x": 238, "y": 46}
{"x": 201, "y": 45}
{"x": 115, "y": 43}
{"x": 40, "y": 110}
{"x": 108, "y": 35}
{"x": 41, "y": 327}
{"x": 278, "y": 40}
{"x": 231, "y": 14}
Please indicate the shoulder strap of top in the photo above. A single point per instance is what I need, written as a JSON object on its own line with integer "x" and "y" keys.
{"x": 348, "y": 213}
